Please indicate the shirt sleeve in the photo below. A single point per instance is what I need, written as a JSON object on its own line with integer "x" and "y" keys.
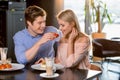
{"x": 19, "y": 49}
{"x": 60, "y": 35}
{"x": 79, "y": 54}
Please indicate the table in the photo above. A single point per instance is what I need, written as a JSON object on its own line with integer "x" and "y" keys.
{"x": 65, "y": 74}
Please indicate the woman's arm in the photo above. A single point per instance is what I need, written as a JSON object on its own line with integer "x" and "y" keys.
{"x": 79, "y": 53}
{"x": 71, "y": 41}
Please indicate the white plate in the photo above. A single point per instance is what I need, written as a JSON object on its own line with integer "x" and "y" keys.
{"x": 15, "y": 66}
{"x": 45, "y": 75}
{"x": 59, "y": 66}
{"x": 38, "y": 67}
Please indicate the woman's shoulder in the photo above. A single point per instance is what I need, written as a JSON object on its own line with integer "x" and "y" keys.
{"x": 83, "y": 39}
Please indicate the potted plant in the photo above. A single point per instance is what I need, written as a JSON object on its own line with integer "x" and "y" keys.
{"x": 99, "y": 12}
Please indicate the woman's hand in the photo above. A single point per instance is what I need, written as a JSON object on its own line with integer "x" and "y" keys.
{"x": 73, "y": 34}
{"x": 56, "y": 61}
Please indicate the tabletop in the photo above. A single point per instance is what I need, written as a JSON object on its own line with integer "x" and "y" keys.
{"x": 64, "y": 74}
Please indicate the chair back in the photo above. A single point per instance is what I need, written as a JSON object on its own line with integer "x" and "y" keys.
{"x": 105, "y": 48}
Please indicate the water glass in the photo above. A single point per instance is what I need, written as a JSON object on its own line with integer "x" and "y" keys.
{"x": 3, "y": 53}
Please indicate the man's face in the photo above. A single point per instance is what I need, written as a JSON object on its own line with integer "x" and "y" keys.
{"x": 38, "y": 26}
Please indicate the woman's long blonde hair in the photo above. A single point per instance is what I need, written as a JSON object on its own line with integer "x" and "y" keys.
{"x": 69, "y": 16}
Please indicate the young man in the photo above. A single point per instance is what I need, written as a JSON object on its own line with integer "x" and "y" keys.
{"x": 37, "y": 40}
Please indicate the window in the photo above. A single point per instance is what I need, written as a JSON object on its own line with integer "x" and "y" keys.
{"x": 113, "y": 8}
{"x": 78, "y": 7}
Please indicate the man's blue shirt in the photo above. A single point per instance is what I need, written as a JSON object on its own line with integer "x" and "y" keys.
{"x": 24, "y": 41}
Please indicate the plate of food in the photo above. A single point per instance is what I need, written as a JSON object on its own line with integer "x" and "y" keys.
{"x": 40, "y": 67}
{"x": 11, "y": 67}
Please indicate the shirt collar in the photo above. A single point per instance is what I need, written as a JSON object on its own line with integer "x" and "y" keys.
{"x": 27, "y": 32}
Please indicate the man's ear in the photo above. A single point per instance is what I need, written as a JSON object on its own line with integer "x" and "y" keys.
{"x": 29, "y": 23}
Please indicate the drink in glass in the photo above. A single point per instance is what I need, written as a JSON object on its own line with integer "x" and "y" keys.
{"x": 50, "y": 69}
{"x": 3, "y": 53}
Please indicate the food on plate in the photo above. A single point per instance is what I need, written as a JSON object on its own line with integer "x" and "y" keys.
{"x": 56, "y": 35}
{"x": 2, "y": 67}
{"x": 5, "y": 66}
{"x": 43, "y": 63}
{"x": 8, "y": 65}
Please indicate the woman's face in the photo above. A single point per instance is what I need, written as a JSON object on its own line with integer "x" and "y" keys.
{"x": 65, "y": 27}
{"x": 38, "y": 26}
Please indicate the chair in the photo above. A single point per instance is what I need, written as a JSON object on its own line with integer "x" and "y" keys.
{"x": 104, "y": 48}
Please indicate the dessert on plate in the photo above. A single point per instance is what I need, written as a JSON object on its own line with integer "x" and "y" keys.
{"x": 5, "y": 66}
{"x": 43, "y": 64}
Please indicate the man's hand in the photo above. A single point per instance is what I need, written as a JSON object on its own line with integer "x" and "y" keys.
{"x": 47, "y": 37}
{"x": 41, "y": 60}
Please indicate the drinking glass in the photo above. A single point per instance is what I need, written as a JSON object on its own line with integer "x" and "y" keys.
{"x": 3, "y": 53}
{"x": 50, "y": 68}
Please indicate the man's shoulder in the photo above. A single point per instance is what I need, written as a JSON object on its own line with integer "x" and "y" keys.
{"x": 19, "y": 33}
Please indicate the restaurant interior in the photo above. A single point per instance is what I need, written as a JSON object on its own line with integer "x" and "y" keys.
{"x": 102, "y": 27}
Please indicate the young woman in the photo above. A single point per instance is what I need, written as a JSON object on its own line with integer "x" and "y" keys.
{"x": 74, "y": 45}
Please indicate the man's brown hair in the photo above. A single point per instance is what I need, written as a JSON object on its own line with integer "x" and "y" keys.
{"x": 32, "y": 12}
